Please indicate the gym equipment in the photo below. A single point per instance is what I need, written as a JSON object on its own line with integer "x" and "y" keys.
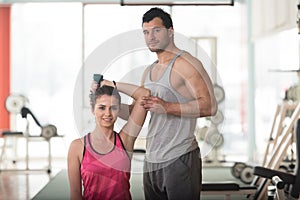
{"x": 247, "y": 175}
{"x": 47, "y": 131}
{"x": 292, "y": 180}
{"x": 263, "y": 175}
{"x": 281, "y": 114}
{"x": 218, "y": 118}
{"x": 98, "y": 78}
{"x": 293, "y": 92}
{"x": 200, "y": 133}
{"x": 212, "y": 137}
{"x": 243, "y": 172}
{"x": 278, "y": 153}
{"x": 279, "y": 185}
{"x": 16, "y": 105}
{"x": 210, "y": 133}
{"x": 237, "y": 168}
{"x": 15, "y": 102}
{"x": 219, "y": 93}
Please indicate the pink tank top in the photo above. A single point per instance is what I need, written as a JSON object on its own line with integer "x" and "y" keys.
{"x": 105, "y": 176}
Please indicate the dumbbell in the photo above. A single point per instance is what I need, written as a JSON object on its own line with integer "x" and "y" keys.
{"x": 219, "y": 93}
{"x": 243, "y": 172}
{"x": 218, "y": 118}
{"x": 214, "y": 137}
{"x": 97, "y": 78}
{"x": 49, "y": 131}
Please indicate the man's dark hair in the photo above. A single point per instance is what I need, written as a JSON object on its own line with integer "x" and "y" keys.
{"x": 160, "y": 13}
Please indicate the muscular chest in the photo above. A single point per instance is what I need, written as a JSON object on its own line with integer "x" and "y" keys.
{"x": 157, "y": 72}
{"x": 174, "y": 76}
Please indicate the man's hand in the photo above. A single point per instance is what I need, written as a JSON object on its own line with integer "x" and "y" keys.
{"x": 155, "y": 104}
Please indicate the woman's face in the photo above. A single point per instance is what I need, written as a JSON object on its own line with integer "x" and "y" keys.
{"x": 106, "y": 111}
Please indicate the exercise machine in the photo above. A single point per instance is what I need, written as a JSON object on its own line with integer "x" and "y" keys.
{"x": 16, "y": 104}
{"x": 243, "y": 171}
{"x": 291, "y": 182}
{"x": 258, "y": 187}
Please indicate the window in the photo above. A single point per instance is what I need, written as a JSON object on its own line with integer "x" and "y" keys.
{"x": 46, "y": 57}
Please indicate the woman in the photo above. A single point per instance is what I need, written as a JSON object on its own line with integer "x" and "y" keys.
{"x": 99, "y": 162}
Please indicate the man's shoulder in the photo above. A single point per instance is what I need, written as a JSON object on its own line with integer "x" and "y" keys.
{"x": 187, "y": 60}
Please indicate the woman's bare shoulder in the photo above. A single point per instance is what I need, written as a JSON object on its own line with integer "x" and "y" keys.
{"x": 77, "y": 144}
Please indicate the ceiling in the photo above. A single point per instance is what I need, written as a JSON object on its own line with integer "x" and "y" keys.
{"x": 138, "y": 2}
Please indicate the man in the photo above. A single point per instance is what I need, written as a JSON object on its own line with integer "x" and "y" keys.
{"x": 181, "y": 91}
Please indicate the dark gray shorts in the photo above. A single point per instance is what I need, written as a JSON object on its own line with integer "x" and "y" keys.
{"x": 180, "y": 179}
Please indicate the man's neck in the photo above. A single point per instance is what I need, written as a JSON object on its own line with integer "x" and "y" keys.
{"x": 165, "y": 56}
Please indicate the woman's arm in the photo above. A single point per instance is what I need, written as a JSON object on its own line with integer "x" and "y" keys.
{"x": 74, "y": 162}
{"x": 125, "y": 111}
{"x": 131, "y": 90}
{"x": 135, "y": 122}
{"x": 137, "y": 115}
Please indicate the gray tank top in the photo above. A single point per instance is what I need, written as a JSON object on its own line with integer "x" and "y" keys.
{"x": 169, "y": 136}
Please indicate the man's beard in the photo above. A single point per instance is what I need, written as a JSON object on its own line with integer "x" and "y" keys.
{"x": 155, "y": 50}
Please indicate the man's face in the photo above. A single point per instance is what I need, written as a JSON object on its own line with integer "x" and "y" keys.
{"x": 156, "y": 35}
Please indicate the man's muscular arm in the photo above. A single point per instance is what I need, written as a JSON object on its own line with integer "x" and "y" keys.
{"x": 195, "y": 80}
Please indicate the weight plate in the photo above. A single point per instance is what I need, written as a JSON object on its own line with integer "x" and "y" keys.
{"x": 219, "y": 93}
{"x": 218, "y": 118}
{"x": 211, "y": 130}
{"x": 15, "y": 102}
{"x": 237, "y": 168}
{"x": 49, "y": 131}
{"x": 200, "y": 133}
{"x": 247, "y": 175}
{"x": 216, "y": 140}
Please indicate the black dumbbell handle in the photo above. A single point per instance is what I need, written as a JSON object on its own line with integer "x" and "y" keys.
{"x": 98, "y": 78}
